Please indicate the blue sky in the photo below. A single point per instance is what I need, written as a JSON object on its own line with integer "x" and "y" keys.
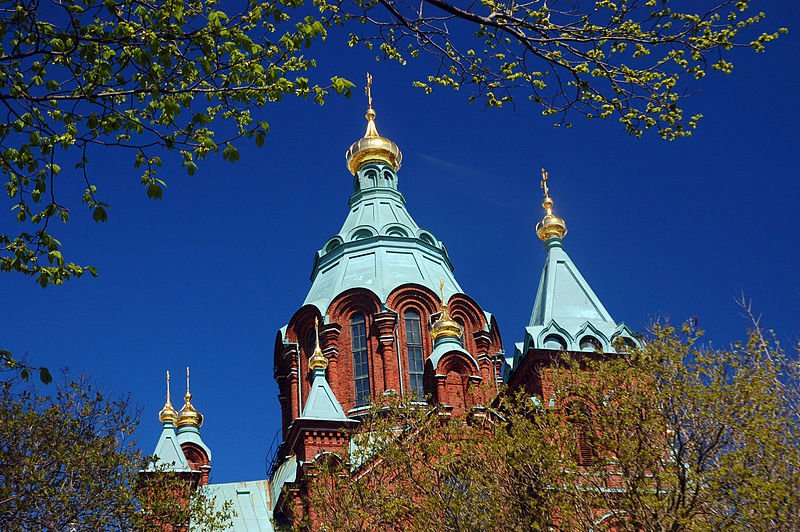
{"x": 206, "y": 276}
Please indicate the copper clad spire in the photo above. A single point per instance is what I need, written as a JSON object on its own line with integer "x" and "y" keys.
{"x": 372, "y": 147}
{"x": 551, "y": 225}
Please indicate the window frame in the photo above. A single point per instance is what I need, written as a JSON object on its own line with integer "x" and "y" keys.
{"x": 415, "y": 371}
{"x": 359, "y": 344}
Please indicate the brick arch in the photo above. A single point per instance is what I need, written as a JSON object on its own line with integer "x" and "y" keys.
{"x": 351, "y": 301}
{"x": 300, "y": 326}
{"x": 495, "y": 338}
{"x": 410, "y": 293}
{"x": 467, "y": 312}
{"x": 456, "y": 374}
{"x": 340, "y": 311}
{"x": 198, "y": 460}
{"x": 301, "y": 322}
{"x": 423, "y": 301}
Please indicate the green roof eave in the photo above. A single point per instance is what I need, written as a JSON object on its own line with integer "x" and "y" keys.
{"x": 168, "y": 454}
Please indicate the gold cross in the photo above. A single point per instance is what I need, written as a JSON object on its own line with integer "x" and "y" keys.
{"x": 441, "y": 289}
{"x": 368, "y": 89}
{"x": 543, "y": 183}
{"x": 316, "y": 329}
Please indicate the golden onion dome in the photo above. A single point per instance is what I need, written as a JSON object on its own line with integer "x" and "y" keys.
{"x": 551, "y": 225}
{"x": 188, "y": 415}
{"x": 168, "y": 414}
{"x": 372, "y": 147}
{"x": 445, "y": 326}
{"x": 318, "y": 359}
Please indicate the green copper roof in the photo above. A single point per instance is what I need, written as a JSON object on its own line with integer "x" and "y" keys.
{"x": 190, "y": 434}
{"x": 445, "y": 345}
{"x": 321, "y": 402}
{"x": 379, "y": 247}
{"x": 567, "y": 314}
{"x": 250, "y": 502}
{"x": 285, "y": 474}
{"x": 564, "y": 295}
{"x": 168, "y": 453}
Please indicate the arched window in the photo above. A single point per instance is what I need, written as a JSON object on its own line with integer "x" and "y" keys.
{"x": 414, "y": 348}
{"x": 358, "y": 333}
{"x": 578, "y": 416}
{"x": 591, "y": 344}
{"x": 554, "y": 341}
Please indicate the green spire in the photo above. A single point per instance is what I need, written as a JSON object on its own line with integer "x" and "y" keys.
{"x": 567, "y": 315}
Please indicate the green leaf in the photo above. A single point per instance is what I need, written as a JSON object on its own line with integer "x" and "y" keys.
{"x": 154, "y": 191}
{"x": 44, "y": 376}
{"x": 99, "y": 214}
{"x": 230, "y": 153}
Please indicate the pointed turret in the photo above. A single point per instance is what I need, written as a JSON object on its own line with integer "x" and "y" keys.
{"x": 168, "y": 453}
{"x": 189, "y": 423}
{"x": 567, "y": 314}
{"x": 321, "y": 403}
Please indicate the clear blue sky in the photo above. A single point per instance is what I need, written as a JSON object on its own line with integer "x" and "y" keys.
{"x": 206, "y": 276}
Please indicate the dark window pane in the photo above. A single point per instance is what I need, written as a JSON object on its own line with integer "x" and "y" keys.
{"x": 358, "y": 333}
{"x": 414, "y": 347}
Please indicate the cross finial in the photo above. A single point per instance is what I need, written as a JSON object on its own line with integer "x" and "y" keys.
{"x": 368, "y": 89}
{"x": 316, "y": 329}
{"x": 168, "y": 386}
{"x": 543, "y": 183}
{"x": 188, "y": 393}
{"x": 441, "y": 289}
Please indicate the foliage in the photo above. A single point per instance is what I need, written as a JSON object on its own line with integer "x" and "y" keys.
{"x": 673, "y": 436}
{"x": 23, "y": 370}
{"x": 152, "y": 79}
{"x": 67, "y": 462}
{"x": 628, "y": 60}
{"x": 146, "y": 79}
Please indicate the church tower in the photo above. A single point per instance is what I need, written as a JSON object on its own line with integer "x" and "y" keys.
{"x": 180, "y": 449}
{"x": 567, "y": 316}
{"x": 384, "y": 315}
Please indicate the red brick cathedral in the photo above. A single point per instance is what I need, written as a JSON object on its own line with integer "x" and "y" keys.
{"x": 385, "y": 315}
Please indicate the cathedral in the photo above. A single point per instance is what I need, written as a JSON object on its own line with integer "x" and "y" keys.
{"x": 385, "y": 315}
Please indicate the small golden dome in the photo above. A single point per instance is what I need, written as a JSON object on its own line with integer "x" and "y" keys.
{"x": 318, "y": 359}
{"x": 445, "y": 326}
{"x": 168, "y": 414}
{"x": 188, "y": 415}
{"x": 372, "y": 147}
{"x": 551, "y": 225}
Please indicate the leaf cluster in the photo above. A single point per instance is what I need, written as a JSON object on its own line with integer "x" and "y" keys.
{"x": 629, "y": 60}
{"x": 146, "y": 79}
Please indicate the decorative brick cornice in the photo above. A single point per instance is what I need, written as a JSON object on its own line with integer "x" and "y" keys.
{"x": 385, "y": 322}
{"x": 329, "y": 338}
{"x": 483, "y": 341}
